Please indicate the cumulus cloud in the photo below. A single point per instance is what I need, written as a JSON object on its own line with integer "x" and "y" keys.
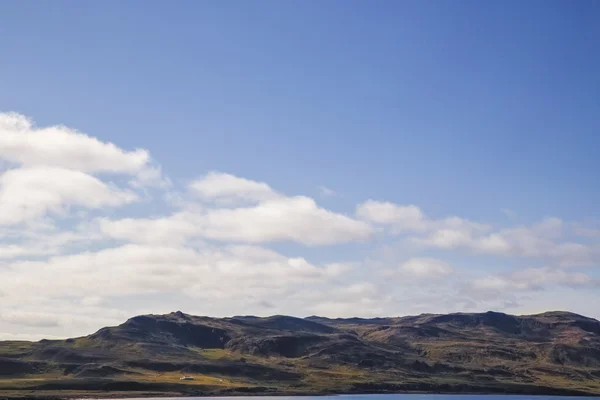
{"x": 525, "y": 241}
{"x": 224, "y": 277}
{"x": 23, "y": 143}
{"x": 31, "y": 192}
{"x": 541, "y": 240}
{"x": 50, "y": 169}
{"x": 410, "y": 219}
{"x": 364, "y": 307}
{"x": 175, "y": 229}
{"x": 271, "y": 218}
{"x": 298, "y": 219}
{"x": 68, "y": 267}
{"x": 36, "y": 240}
{"x": 402, "y": 218}
{"x": 37, "y": 317}
{"x": 544, "y": 239}
{"x": 221, "y": 187}
{"x": 364, "y": 299}
{"x": 425, "y": 268}
{"x": 32, "y": 319}
{"x": 12, "y": 251}
{"x": 132, "y": 269}
{"x": 532, "y": 279}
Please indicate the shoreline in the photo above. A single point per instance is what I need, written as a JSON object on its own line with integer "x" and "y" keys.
{"x": 103, "y": 395}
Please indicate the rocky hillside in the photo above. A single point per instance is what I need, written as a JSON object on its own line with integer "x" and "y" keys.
{"x": 554, "y": 353}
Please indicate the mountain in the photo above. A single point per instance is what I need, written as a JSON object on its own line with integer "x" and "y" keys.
{"x": 549, "y": 353}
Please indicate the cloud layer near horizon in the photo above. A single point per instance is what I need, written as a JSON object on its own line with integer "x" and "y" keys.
{"x": 74, "y": 257}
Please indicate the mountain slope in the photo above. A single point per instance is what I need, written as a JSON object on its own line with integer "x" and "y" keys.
{"x": 554, "y": 352}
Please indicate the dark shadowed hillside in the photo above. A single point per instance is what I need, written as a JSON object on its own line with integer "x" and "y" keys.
{"x": 554, "y": 353}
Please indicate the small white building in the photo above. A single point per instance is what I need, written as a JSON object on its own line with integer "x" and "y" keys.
{"x": 186, "y": 378}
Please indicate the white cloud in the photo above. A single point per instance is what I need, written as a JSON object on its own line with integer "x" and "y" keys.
{"x": 92, "y": 301}
{"x": 364, "y": 307}
{"x": 425, "y": 268}
{"x": 225, "y": 278}
{"x": 532, "y": 279}
{"x": 540, "y": 240}
{"x": 447, "y": 238}
{"x": 51, "y": 169}
{"x": 403, "y": 218}
{"x": 132, "y": 269}
{"x": 33, "y": 319}
{"x": 296, "y": 219}
{"x": 151, "y": 177}
{"x": 198, "y": 250}
{"x": 37, "y": 317}
{"x": 410, "y": 219}
{"x": 272, "y": 218}
{"x": 359, "y": 289}
{"x": 496, "y": 283}
{"x": 27, "y": 336}
{"x": 26, "y": 249}
{"x": 175, "y": 229}
{"x": 12, "y": 251}
{"x": 325, "y": 191}
{"x": 35, "y": 240}
{"x": 544, "y": 239}
{"x": 32, "y": 192}
{"x": 226, "y": 188}
{"x": 344, "y": 300}
{"x": 58, "y": 146}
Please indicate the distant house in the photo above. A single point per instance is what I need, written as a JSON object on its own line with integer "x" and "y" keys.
{"x": 187, "y": 378}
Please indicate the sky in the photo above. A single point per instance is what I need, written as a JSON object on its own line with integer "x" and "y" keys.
{"x": 339, "y": 158}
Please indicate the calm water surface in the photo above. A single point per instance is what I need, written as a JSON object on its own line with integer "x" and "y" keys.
{"x": 387, "y": 397}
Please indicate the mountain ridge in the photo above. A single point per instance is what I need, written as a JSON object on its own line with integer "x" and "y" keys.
{"x": 552, "y": 352}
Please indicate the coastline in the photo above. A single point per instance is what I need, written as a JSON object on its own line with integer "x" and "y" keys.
{"x": 268, "y": 392}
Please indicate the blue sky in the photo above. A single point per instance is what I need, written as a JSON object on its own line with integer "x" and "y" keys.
{"x": 459, "y": 108}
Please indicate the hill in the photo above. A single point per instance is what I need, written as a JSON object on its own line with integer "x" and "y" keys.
{"x": 549, "y": 353}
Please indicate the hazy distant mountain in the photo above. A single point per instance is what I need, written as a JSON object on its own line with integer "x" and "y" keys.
{"x": 554, "y": 352}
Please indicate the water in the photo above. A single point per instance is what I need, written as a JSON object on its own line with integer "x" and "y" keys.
{"x": 386, "y": 397}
